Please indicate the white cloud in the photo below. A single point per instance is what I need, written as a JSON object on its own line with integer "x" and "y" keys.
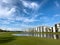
{"x": 26, "y": 20}
{"x": 30, "y": 20}
{"x": 35, "y": 16}
{"x": 57, "y": 4}
{"x": 34, "y": 5}
{"x": 7, "y": 20}
{"x": 6, "y": 1}
{"x": 10, "y": 29}
{"x": 44, "y": 19}
{"x": 28, "y": 4}
{"x": 43, "y": 3}
{"x": 12, "y": 10}
{"x": 25, "y": 11}
{"x": 26, "y": 25}
{"x": 57, "y": 15}
{"x": 4, "y": 12}
{"x": 7, "y": 13}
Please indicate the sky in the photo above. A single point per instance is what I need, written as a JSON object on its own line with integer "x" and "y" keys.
{"x": 21, "y": 14}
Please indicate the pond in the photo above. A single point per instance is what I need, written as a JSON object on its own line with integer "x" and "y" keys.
{"x": 41, "y": 35}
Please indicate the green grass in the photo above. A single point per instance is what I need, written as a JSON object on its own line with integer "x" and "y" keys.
{"x": 7, "y": 39}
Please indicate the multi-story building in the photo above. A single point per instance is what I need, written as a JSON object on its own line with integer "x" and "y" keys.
{"x": 53, "y": 29}
{"x": 42, "y": 29}
{"x": 57, "y": 27}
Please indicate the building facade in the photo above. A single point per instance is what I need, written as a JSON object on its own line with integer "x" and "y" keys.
{"x": 53, "y": 29}
{"x": 42, "y": 29}
{"x": 57, "y": 27}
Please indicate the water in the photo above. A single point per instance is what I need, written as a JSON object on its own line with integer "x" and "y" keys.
{"x": 52, "y": 36}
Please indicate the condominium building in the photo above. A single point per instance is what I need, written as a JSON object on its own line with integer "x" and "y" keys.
{"x": 53, "y": 29}
{"x": 42, "y": 29}
{"x": 57, "y": 27}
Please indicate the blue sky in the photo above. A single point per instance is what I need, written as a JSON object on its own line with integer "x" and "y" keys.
{"x": 21, "y": 14}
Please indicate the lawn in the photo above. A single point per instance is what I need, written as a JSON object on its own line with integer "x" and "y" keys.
{"x": 6, "y": 38}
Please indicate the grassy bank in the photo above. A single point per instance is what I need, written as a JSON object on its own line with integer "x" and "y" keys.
{"x": 7, "y": 39}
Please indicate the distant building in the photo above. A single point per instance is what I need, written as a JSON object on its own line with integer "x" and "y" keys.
{"x": 57, "y": 27}
{"x": 53, "y": 29}
{"x": 42, "y": 29}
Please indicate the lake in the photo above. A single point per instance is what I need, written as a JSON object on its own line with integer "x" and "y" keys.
{"x": 41, "y": 35}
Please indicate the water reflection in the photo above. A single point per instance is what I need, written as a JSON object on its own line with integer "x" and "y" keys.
{"x": 52, "y": 36}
